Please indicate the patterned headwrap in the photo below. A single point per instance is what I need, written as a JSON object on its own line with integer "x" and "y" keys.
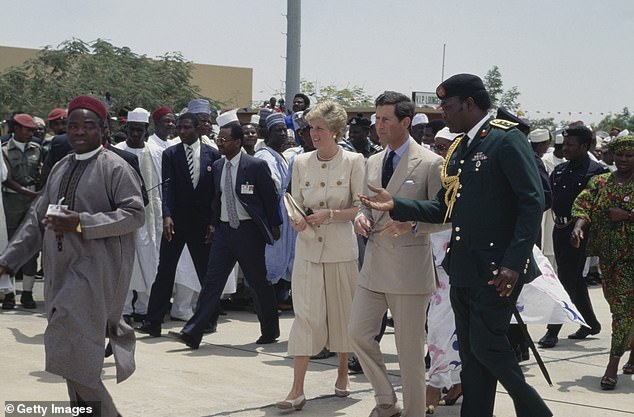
{"x": 621, "y": 143}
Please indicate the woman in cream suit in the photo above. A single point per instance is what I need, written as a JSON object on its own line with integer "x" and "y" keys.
{"x": 327, "y": 181}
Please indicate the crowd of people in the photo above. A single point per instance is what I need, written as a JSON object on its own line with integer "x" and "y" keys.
{"x": 433, "y": 222}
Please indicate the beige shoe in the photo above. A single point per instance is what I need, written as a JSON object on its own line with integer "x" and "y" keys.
{"x": 296, "y": 403}
{"x": 386, "y": 410}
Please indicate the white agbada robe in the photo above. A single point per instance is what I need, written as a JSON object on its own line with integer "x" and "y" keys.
{"x": 6, "y": 282}
{"x": 147, "y": 237}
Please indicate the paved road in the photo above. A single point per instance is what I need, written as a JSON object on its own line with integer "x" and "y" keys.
{"x": 231, "y": 376}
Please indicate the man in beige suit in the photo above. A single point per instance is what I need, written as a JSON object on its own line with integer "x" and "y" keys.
{"x": 398, "y": 270}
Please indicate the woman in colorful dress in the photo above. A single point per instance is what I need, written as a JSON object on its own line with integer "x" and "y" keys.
{"x": 607, "y": 205}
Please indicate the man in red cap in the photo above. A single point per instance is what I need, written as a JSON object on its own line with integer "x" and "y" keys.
{"x": 90, "y": 207}
{"x": 23, "y": 159}
{"x": 57, "y": 121}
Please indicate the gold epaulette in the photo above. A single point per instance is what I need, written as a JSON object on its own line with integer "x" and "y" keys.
{"x": 502, "y": 124}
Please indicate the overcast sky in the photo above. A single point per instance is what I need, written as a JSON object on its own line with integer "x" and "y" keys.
{"x": 564, "y": 56}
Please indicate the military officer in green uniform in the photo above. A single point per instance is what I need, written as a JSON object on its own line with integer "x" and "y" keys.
{"x": 494, "y": 199}
{"x": 23, "y": 159}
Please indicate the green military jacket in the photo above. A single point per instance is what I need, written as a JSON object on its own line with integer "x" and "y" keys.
{"x": 498, "y": 208}
{"x": 23, "y": 167}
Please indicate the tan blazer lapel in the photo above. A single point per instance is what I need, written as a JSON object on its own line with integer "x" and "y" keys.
{"x": 409, "y": 160}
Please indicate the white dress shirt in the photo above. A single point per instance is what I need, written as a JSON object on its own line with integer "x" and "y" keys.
{"x": 242, "y": 213}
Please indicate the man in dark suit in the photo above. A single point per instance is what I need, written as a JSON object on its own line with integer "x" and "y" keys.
{"x": 568, "y": 180}
{"x": 493, "y": 197}
{"x": 246, "y": 217}
{"x": 188, "y": 190}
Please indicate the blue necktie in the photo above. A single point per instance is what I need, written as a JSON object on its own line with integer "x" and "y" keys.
{"x": 388, "y": 169}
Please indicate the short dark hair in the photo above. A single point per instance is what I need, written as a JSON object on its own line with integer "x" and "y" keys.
{"x": 582, "y": 133}
{"x": 189, "y": 116}
{"x": 435, "y": 125}
{"x": 403, "y": 106}
{"x": 236, "y": 130}
{"x": 304, "y": 97}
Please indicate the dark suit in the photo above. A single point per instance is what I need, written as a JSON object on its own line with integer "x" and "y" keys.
{"x": 190, "y": 209}
{"x": 495, "y": 219}
{"x": 245, "y": 245}
{"x": 567, "y": 181}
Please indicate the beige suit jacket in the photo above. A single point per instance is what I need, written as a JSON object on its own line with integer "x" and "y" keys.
{"x": 403, "y": 264}
{"x": 332, "y": 185}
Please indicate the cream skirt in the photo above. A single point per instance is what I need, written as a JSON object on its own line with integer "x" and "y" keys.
{"x": 322, "y": 300}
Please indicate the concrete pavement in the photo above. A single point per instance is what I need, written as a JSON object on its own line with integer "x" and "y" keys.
{"x": 231, "y": 376}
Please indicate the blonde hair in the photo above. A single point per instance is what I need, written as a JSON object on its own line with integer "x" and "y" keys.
{"x": 333, "y": 114}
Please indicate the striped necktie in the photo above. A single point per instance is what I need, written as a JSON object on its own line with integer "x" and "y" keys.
{"x": 189, "y": 152}
{"x": 232, "y": 211}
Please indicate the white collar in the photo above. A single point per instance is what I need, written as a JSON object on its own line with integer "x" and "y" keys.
{"x": 87, "y": 155}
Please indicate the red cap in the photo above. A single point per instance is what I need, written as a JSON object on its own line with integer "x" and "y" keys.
{"x": 25, "y": 120}
{"x": 56, "y": 114}
{"x": 160, "y": 112}
{"x": 89, "y": 103}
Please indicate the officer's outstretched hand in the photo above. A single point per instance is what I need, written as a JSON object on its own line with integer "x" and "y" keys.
{"x": 382, "y": 201}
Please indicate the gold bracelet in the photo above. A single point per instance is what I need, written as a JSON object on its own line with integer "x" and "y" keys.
{"x": 331, "y": 215}
{"x": 78, "y": 228}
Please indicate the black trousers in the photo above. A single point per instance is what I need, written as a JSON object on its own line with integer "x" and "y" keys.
{"x": 482, "y": 321}
{"x": 570, "y": 263}
{"x": 244, "y": 245}
{"x": 170, "y": 253}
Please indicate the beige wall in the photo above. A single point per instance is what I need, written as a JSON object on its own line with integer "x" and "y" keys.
{"x": 232, "y": 86}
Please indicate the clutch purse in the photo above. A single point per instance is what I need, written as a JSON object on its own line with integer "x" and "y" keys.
{"x": 296, "y": 214}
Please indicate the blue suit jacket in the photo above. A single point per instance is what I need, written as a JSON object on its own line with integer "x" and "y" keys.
{"x": 181, "y": 201}
{"x": 263, "y": 204}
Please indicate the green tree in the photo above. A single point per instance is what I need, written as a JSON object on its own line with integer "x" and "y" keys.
{"x": 545, "y": 123}
{"x": 349, "y": 96}
{"x": 56, "y": 75}
{"x": 623, "y": 120}
{"x": 500, "y": 97}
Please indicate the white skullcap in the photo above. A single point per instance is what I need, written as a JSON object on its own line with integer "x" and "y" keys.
{"x": 444, "y": 133}
{"x": 373, "y": 119}
{"x": 139, "y": 115}
{"x": 255, "y": 119}
{"x": 559, "y": 139}
{"x": 227, "y": 117}
{"x": 419, "y": 119}
{"x": 39, "y": 121}
{"x": 539, "y": 135}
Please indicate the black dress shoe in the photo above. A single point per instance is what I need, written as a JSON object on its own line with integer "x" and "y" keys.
{"x": 150, "y": 328}
{"x": 185, "y": 339}
{"x": 139, "y": 318}
{"x": 354, "y": 367}
{"x": 548, "y": 341}
{"x": 108, "y": 351}
{"x": 584, "y": 332}
{"x": 9, "y": 301}
{"x": 266, "y": 340}
{"x": 27, "y": 301}
{"x": 323, "y": 354}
